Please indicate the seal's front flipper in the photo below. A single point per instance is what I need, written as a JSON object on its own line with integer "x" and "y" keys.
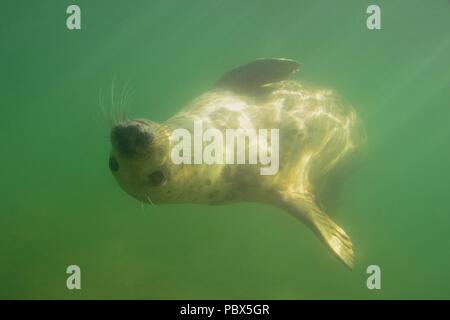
{"x": 249, "y": 78}
{"x": 332, "y": 235}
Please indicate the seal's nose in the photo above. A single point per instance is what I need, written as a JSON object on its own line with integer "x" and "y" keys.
{"x": 130, "y": 137}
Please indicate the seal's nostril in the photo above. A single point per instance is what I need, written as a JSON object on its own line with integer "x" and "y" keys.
{"x": 128, "y": 137}
{"x": 113, "y": 164}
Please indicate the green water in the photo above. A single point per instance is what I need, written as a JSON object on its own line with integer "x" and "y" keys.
{"x": 60, "y": 205}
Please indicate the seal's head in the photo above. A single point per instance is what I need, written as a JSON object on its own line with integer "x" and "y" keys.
{"x": 138, "y": 158}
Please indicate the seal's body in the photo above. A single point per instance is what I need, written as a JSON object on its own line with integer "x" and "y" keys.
{"x": 319, "y": 135}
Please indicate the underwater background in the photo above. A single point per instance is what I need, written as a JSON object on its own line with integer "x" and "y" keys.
{"x": 60, "y": 204}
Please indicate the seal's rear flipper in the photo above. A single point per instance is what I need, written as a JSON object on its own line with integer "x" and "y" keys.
{"x": 331, "y": 234}
{"x": 250, "y": 77}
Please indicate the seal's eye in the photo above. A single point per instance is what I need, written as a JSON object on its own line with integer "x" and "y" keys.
{"x": 113, "y": 164}
{"x": 157, "y": 178}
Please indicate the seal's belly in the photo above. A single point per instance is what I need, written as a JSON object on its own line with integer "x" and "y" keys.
{"x": 316, "y": 132}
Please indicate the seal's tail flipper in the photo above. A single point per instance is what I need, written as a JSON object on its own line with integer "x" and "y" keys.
{"x": 329, "y": 232}
{"x": 335, "y": 237}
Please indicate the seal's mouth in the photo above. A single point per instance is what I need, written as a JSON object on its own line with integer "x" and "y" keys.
{"x": 131, "y": 137}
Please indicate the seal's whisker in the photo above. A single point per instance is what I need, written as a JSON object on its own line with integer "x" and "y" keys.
{"x": 102, "y": 107}
{"x": 122, "y": 102}
{"x": 119, "y": 101}
{"x": 125, "y": 93}
{"x": 106, "y": 116}
{"x": 125, "y": 102}
{"x": 119, "y": 106}
{"x": 150, "y": 200}
{"x": 115, "y": 104}
{"x": 128, "y": 93}
{"x": 112, "y": 90}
